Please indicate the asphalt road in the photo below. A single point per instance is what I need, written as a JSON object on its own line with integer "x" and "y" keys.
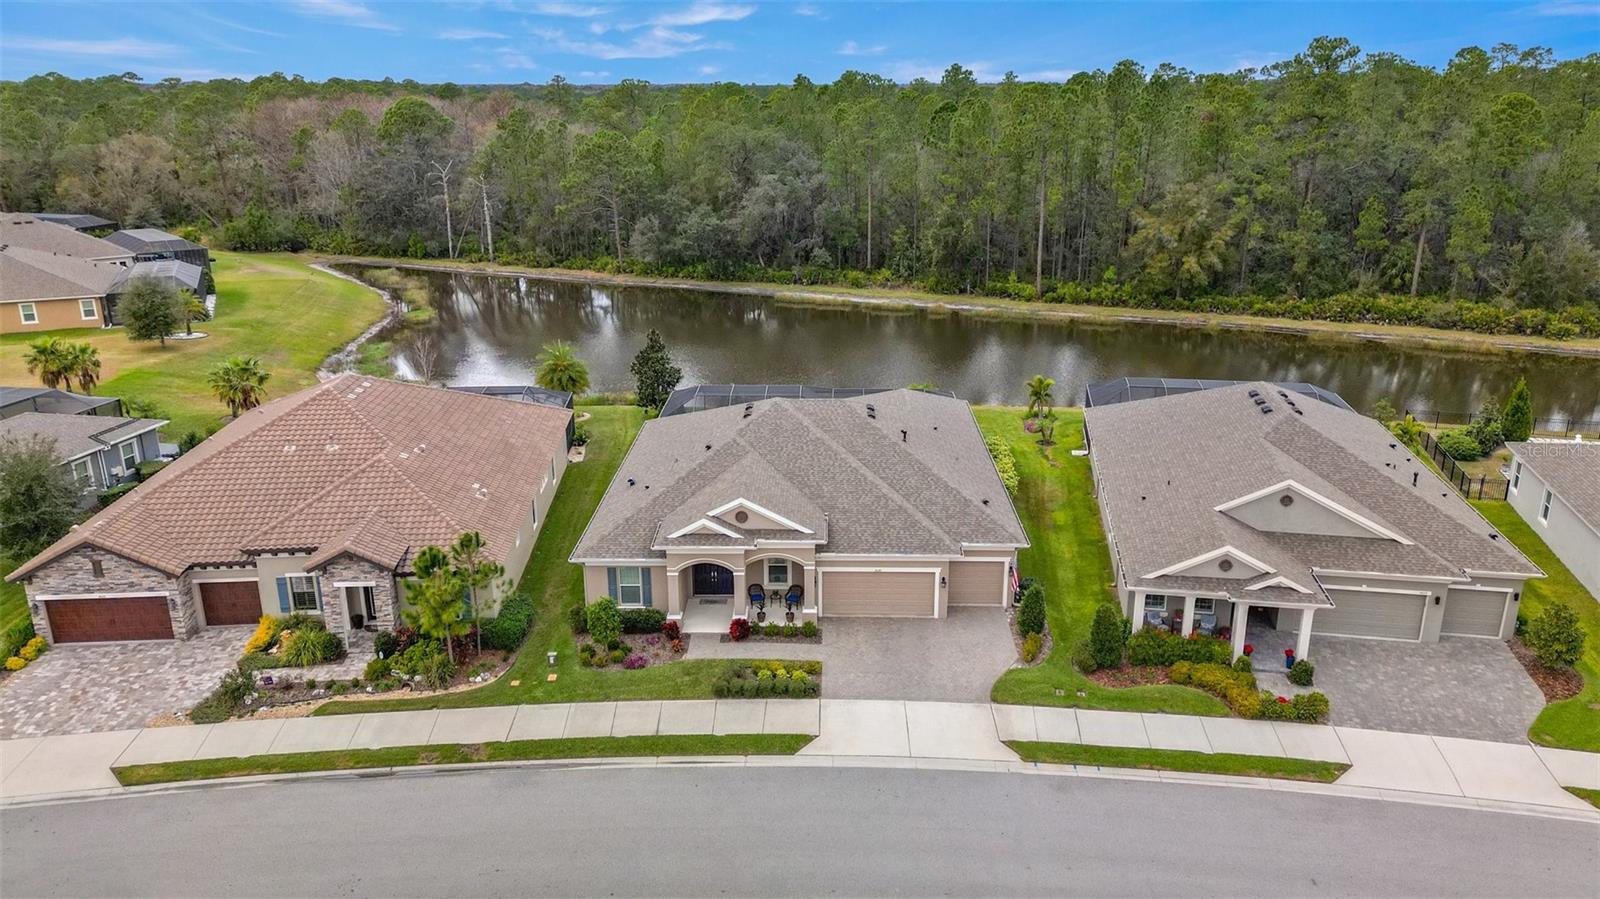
{"x": 755, "y": 831}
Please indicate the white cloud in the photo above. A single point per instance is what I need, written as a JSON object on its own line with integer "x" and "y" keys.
{"x": 702, "y": 13}
{"x": 807, "y": 9}
{"x": 512, "y": 58}
{"x": 709, "y": 70}
{"x": 348, "y": 11}
{"x": 594, "y": 75}
{"x": 469, "y": 34}
{"x": 851, "y": 48}
{"x": 1048, "y": 75}
{"x": 911, "y": 69}
{"x": 569, "y": 10}
{"x": 228, "y": 23}
{"x": 655, "y": 43}
{"x": 121, "y": 47}
{"x": 1567, "y": 8}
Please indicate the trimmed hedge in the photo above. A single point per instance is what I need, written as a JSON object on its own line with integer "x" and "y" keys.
{"x": 643, "y": 621}
{"x": 507, "y": 629}
{"x": 1154, "y": 646}
{"x": 769, "y": 677}
{"x": 1238, "y": 690}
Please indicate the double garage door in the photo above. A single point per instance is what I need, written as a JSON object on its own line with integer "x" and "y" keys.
{"x": 1359, "y": 613}
{"x": 108, "y": 619}
{"x": 879, "y": 594}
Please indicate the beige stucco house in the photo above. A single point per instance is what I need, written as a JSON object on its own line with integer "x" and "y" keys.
{"x": 886, "y": 504}
{"x": 1555, "y": 487}
{"x": 315, "y": 503}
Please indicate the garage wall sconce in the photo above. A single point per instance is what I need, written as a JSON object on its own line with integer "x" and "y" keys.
{"x": 941, "y": 582}
{"x": 34, "y": 608}
{"x": 1437, "y": 600}
{"x": 172, "y": 603}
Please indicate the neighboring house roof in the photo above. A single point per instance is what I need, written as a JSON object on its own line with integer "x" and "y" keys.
{"x": 29, "y": 232}
{"x": 714, "y": 396}
{"x": 35, "y": 275}
{"x": 525, "y": 393}
{"x": 1123, "y": 390}
{"x": 900, "y": 472}
{"x": 182, "y": 274}
{"x": 77, "y": 221}
{"x": 1177, "y": 476}
{"x": 367, "y": 466}
{"x": 17, "y": 400}
{"x": 151, "y": 240}
{"x": 76, "y": 435}
{"x": 1571, "y": 470}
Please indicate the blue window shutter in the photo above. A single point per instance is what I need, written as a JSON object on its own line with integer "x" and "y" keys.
{"x": 316, "y": 586}
{"x": 283, "y": 595}
{"x": 611, "y": 582}
{"x": 645, "y": 579}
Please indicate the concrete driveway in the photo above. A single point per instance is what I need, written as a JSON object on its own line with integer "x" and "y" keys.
{"x": 953, "y": 659}
{"x": 1466, "y": 687}
{"x": 112, "y": 686}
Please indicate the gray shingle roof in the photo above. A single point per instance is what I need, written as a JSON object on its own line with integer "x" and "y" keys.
{"x": 1162, "y": 466}
{"x": 825, "y": 465}
{"x": 1571, "y": 470}
{"x": 17, "y": 400}
{"x": 23, "y": 230}
{"x": 38, "y": 275}
{"x": 75, "y": 435}
{"x": 150, "y": 240}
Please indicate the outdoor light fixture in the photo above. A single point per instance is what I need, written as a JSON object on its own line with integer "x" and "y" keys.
{"x": 34, "y": 608}
{"x": 941, "y": 581}
{"x": 1437, "y": 600}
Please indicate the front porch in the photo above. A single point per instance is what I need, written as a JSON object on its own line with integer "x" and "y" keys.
{"x": 1275, "y": 627}
{"x": 704, "y": 595}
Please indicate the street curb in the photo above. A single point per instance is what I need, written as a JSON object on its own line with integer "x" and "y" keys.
{"x": 827, "y": 761}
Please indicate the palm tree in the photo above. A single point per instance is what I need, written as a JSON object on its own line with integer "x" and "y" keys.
{"x": 193, "y": 310}
{"x": 46, "y": 357}
{"x": 561, "y": 369}
{"x": 82, "y": 361}
{"x": 240, "y": 382}
{"x": 1040, "y": 395}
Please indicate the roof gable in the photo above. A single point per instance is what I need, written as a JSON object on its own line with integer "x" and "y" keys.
{"x": 1274, "y": 508}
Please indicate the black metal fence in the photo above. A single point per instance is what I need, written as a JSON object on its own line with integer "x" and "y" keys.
{"x": 1481, "y": 487}
{"x": 1550, "y": 427}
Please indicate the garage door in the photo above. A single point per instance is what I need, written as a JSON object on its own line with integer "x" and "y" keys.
{"x": 977, "y": 583}
{"x": 231, "y": 602}
{"x": 1474, "y": 613}
{"x": 884, "y": 594}
{"x": 120, "y": 618}
{"x": 1358, "y": 614}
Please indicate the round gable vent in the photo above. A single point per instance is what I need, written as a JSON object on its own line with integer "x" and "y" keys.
{"x": 1225, "y": 565}
{"x": 741, "y": 516}
{"x": 1286, "y": 500}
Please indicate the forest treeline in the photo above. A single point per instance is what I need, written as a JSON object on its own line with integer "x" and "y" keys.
{"x": 1336, "y": 184}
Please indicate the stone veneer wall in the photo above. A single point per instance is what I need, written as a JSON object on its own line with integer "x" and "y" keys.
{"x": 72, "y": 574}
{"x": 349, "y": 569}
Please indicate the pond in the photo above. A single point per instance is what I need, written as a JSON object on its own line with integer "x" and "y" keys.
{"x": 489, "y": 330}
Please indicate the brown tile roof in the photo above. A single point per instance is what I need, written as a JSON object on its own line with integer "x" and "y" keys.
{"x": 368, "y": 466}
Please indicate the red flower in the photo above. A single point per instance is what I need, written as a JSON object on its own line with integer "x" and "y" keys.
{"x": 1288, "y": 652}
{"x": 1248, "y": 649}
{"x": 1283, "y": 699}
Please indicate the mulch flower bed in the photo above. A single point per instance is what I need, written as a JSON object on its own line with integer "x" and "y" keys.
{"x": 1131, "y": 676}
{"x": 651, "y": 649}
{"x": 1555, "y": 683}
{"x": 1017, "y": 639}
{"x": 288, "y": 684}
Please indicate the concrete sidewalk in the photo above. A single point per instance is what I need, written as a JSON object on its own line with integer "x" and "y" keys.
{"x": 883, "y": 732}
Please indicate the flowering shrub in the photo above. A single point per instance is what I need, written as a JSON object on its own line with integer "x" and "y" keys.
{"x": 653, "y": 640}
{"x": 738, "y": 629}
{"x": 671, "y": 630}
{"x": 677, "y": 645}
{"x": 635, "y": 662}
{"x": 265, "y": 636}
{"x": 33, "y": 649}
{"x": 1153, "y": 646}
{"x": 16, "y": 663}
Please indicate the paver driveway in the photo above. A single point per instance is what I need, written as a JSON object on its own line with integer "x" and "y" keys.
{"x": 954, "y": 659}
{"x": 110, "y": 686}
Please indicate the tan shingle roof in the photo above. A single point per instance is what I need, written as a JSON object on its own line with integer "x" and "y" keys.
{"x": 19, "y": 229}
{"x": 76, "y": 435}
{"x": 363, "y": 465}
{"x": 37, "y": 275}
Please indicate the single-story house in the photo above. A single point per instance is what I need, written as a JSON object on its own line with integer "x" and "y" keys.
{"x": 29, "y": 232}
{"x": 527, "y": 393}
{"x": 1555, "y": 487}
{"x": 1254, "y": 508}
{"x": 101, "y": 451}
{"x": 316, "y": 502}
{"x": 77, "y": 221}
{"x": 44, "y": 291}
{"x": 150, "y": 244}
{"x": 885, "y": 504}
{"x": 17, "y": 400}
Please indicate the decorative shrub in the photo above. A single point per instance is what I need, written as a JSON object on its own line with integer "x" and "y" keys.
{"x": 738, "y": 629}
{"x": 1242, "y": 663}
{"x": 768, "y": 677}
{"x": 378, "y": 669}
{"x": 1310, "y": 707}
{"x": 605, "y": 621}
{"x": 1555, "y": 637}
{"x": 16, "y": 663}
{"x": 672, "y": 630}
{"x": 1004, "y": 462}
{"x": 617, "y": 655}
{"x": 1302, "y": 672}
{"x": 16, "y": 636}
{"x": 1105, "y": 637}
{"x": 1031, "y": 645}
{"x": 32, "y": 649}
{"x": 1154, "y": 646}
{"x": 808, "y": 629}
{"x": 578, "y": 616}
{"x": 678, "y": 645}
{"x": 436, "y": 671}
{"x": 310, "y": 646}
{"x": 265, "y": 636}
{"x": 643, "y": 621}
{"x": 1275, "y": 708}
{"x": 508, "y": 628}
{"x": 771, "y": 630}
{"x": 231, "y": 692}
{"x": 1083, "y": 659}
{"x": 1030, "y": 612}
{"x": 634, "y": 662}
{"x": 386, "y": 644}
{"x": 1459, "y": 445}
{"x": 1236, "y": 688}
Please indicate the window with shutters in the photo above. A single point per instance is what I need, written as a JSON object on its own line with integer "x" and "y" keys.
{"x": 303, "y": 593}
{"x": 630, "y": 586}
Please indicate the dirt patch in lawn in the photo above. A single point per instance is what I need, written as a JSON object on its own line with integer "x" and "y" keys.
{"x": 1131, "y": 676}
{"x": 1555, "y": 683}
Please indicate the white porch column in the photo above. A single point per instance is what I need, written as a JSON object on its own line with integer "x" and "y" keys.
{"x": 674, "y": 595}
{"x": 1302, "y": 640}
{"x": 741, "y": 599}
{"x": 1188, "y": 615}
{"x": 1241, "y": 614}
{"x": 1136, "y": 617}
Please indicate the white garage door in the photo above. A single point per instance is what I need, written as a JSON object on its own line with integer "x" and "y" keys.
{"x": 883, "y": 594}
{"x": 1358, "y": 613}
{"x": 978, "y": 583}
{"x": 1474, "y": 613}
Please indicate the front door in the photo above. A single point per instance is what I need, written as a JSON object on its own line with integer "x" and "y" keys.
{"x": 712, "y": 580}
{"x": 360, "y": 603}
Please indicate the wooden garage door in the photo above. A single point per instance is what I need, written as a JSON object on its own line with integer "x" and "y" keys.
{"x": 1474, "y": 613}
{"x": 883, "y": 594}
{"x": 119, "y": 618}
{"x": 977, "y": 583}
{"x": 231, "y": 602}
{"x": 1358, "y": 614}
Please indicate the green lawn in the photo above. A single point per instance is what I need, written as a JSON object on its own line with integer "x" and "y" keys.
{"x": 557, "y": 586}
{"x": 1590, "y": 796}
{"x": 13, "y": 600}
{"x": 450, "y": 754}
{"x": 1070, "y": 558}
{"x": 272, "y": 306}
{"x": 1572, "y": 723}
{"x": 1178, "y": 760}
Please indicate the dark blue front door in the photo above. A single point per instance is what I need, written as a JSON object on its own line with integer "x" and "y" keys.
{"x": 712, "y": 580}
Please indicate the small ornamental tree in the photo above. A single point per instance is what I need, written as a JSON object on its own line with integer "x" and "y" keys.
{"x": 150, "y": 309}
{"x": 605, "y": 622}
{"x": 1555, "y": 637}
{"x": 475, "y": 570}
{"x": 1516, "y": 421}
{"x": 1106, "y": 638}
{"x": 38, "y": 497}
{"x": 1030, "y": 612}
{"x": 434, "y": 608}
{"x": 654, "y": 373}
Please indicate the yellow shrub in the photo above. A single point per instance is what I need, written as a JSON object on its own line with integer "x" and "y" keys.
{"x": 32, "y": 649}
{"x": 16, "y": 663}
{"x": 266, "y": 632}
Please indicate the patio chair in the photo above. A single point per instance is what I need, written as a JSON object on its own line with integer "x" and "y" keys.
{"x": 758, "y": 596}
{"x": 1205, "y": 624}
{"x": 794, "y": 596}
{"x": 1154, "y": 618}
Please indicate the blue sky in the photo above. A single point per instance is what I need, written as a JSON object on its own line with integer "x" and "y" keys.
{"x": 589, "y": 41}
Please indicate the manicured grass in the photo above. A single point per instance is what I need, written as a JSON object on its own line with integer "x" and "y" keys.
{"x": 457, "y": 753}
{"x": 557, "y": 586}
{"x": 1572, "y": 723}
{"x": 13, "y": 599}
{"x": 1178, "y": 760}
{"x": 1070, "y": 559}
{"x": 1590, "y": 796}
{"x": 272, "y": 306}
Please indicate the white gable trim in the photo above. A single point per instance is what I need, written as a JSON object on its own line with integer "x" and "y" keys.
{"x": 1319, "y": 499}
{"x": 764, "y": 512}
{"x": 1279, "y": 581}
{"x": 703, "y": 524}
{"x": 1259, "y": 565}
